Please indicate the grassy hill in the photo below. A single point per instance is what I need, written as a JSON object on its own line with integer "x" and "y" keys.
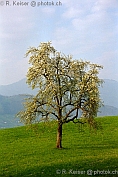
{"x": 27, "y": 153}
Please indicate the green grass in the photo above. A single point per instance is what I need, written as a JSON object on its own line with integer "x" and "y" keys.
{"x": 24, "y": 153}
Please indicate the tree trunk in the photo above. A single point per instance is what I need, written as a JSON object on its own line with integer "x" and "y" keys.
{"x": 59, "y": 136}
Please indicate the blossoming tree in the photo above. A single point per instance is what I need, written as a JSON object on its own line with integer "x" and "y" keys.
{"x": 66, "y": 87}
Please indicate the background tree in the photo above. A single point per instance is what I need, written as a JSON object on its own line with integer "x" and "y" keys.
{"x": 66, "y": 88}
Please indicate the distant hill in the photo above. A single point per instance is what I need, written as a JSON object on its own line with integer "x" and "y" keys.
{"x": 108, "y": 111}
{"x": 11, "y": 105}
{"x": 109, "y": 91}
{"x": 16, "y": 88}
{"x": 9, "y": 121}
{"x": 12, "y": 96}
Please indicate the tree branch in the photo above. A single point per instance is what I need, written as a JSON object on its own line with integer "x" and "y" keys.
{"x": 67, "y": 115}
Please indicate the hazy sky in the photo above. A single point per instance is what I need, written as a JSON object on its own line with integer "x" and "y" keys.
{"x": 86, "y": 29}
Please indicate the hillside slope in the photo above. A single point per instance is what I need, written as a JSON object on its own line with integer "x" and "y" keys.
{"x": 24, "y": 153}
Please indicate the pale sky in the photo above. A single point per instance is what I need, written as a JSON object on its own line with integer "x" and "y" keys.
{"x": 86, "y": 29}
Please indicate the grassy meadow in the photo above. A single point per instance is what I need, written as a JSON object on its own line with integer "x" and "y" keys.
{"x": 28, "y": 153}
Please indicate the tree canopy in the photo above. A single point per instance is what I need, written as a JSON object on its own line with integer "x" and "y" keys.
{"x": 67, "y": 89}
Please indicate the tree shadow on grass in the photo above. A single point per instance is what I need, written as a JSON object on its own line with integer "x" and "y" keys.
{"x": 74, "y": 168}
